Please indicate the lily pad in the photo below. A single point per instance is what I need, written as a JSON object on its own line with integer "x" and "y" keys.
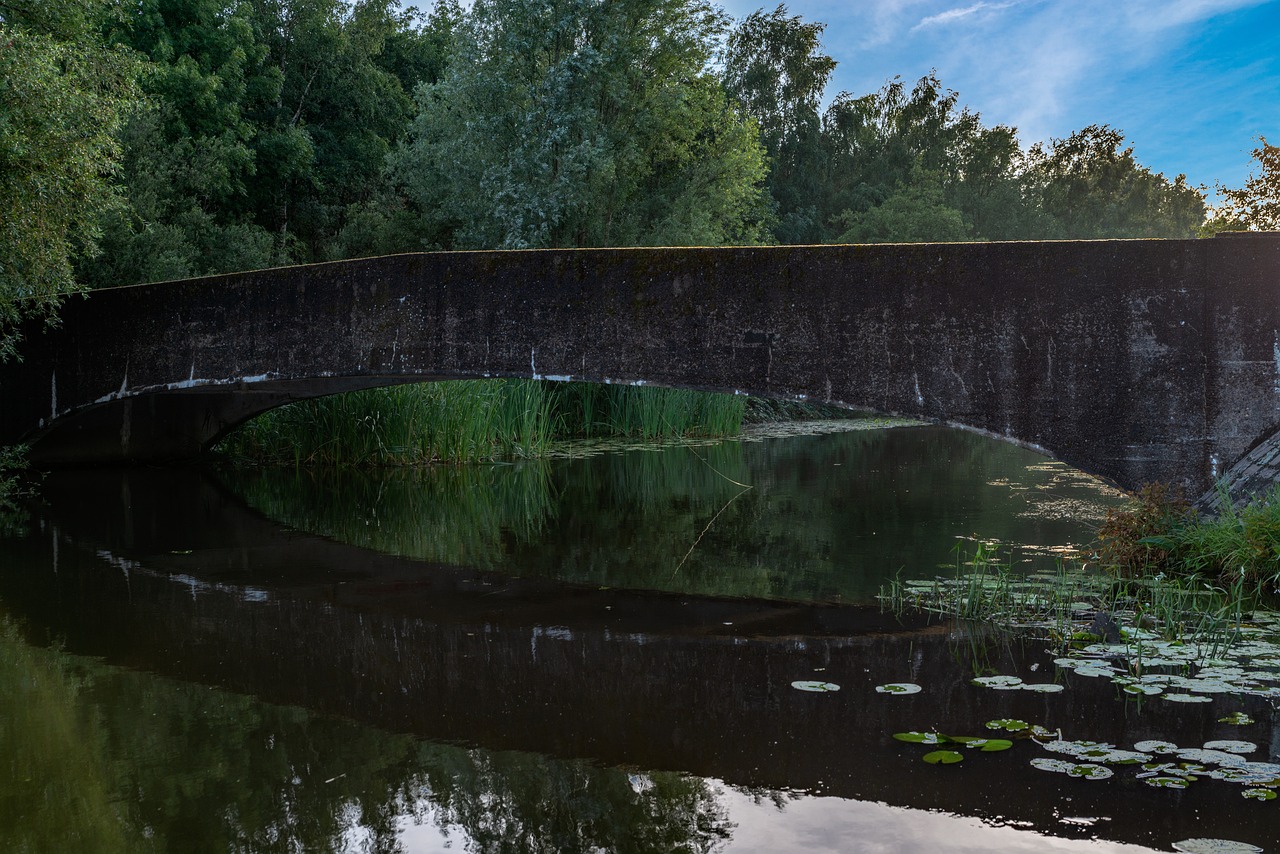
{"x": 1215, "y": 846}
{"x": 1209, "y": 756}
{"x": 1060, "y": 766}
{"x": 1008, "y": 725}
{"x": 1001, "y": 683}
{"x": 1145, "y": 690}
{"x": 1090, "y": 772}
{"x": 1231, "y": 746}
{"x": 899, "y": 688}
{"x": 1043, "y": 688}
{"x": 943, "y": 757}
{"x": 1168, "y": 782}
{"x": 1259, "y": 794}
{"x": 1188, "y": 698}
{"x": 815, "y": 686}
{"x": 1155, "y": 747}
{"x": 921, "y": 737}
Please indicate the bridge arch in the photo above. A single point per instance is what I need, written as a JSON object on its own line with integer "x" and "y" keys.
{"x": 1134, "y": 360}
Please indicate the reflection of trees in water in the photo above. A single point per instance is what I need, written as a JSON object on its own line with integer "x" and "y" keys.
{"x": 520, "y": 802}
{"x": 448, "y": 514}
{"x": 103, "y": 759}
{"x": 828, "y": 517}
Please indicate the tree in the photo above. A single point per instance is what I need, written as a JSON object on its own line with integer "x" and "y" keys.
{"x": 269, "y": 128}
{"x": 1092, "y": 187}
{"x": 915, "y": 213}
{"x": 908, "y": 165}
{"x": 580, "y": 123}
{"x": 63, "y": 98}
{"x": 1255, "y": 206}
{"x": 775, "y": 69}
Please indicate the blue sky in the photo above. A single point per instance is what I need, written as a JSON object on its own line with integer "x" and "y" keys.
{"x": 1192, "y": 83}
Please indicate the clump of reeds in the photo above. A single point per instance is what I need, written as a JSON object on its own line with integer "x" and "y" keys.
{"x": 473, "y": 420}
{"x": 586, "y": 410}
{"x": 461, "y": 421}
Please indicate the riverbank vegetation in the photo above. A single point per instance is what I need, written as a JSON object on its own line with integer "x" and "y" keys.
{"x": 1157, "y": 570}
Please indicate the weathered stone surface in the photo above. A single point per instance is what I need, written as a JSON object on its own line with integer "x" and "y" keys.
{"x": 1135, "y": 360}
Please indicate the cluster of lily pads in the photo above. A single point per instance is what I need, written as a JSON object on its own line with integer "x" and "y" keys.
{"x": 1158, "y": 763}
{"x": 1187, "y": 670}
{"x": 1173, "y": 662}
{"x": 949, "y": 756}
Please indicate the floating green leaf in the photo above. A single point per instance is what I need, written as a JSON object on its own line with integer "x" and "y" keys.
{"x": 1187, "y": 698}
{"x": 1215, "y": 846}
{"x": 1236, "y": 719}
{"x": 1002, "y": 683}
{"x": 1168, "y": 782}
{"x": 1043, "y": 763}
{"x": 1259, "y": 794}
{"x": 943, "y": 757}
{"x": 898, "y": 688}
{"x": 921, "y": 737}
{"x": 1043, "y": 688}
{"x": 1231, "y": 746}
{"x": 1008, "y": 725}
{"x": 815, "y": 686}
{"x": 987, "y": 745}
{"x": 1090, "y": 772}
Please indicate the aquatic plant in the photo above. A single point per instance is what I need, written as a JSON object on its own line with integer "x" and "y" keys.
{"x": 1160, "y": 535}
{"x": 472, "y": 420}
{"x": 14, "y": 487}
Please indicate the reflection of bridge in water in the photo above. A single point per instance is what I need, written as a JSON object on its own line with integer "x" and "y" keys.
{"x": 1135, "y": 360}
{"x": 149, "y": 569}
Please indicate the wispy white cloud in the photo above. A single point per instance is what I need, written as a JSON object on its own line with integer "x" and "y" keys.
{"x": 950, "y": 16}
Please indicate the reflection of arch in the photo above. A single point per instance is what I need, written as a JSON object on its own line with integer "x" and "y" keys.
{"x": 1136, "y": 360}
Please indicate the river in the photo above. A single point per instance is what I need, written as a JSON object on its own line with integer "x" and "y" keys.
{"x": 588, "y": 654}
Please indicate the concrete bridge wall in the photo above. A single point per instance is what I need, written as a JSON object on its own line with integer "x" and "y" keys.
{"x": 1135, "y": 360}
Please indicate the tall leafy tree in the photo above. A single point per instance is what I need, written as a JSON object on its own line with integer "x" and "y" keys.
{"x": 1092, "y": 187}
{"x": 270, "y": 124}
{"x": 189, "y": 157}
{"x": 909, "y": 164}
{"x": 581, "y": 123}
{"x": 775, "y": 68}
{"x": 1256, "y": 205}
{"x": 63, "y": 96}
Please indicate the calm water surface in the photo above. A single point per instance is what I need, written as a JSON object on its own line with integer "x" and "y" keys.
{"x": 591, "y": 654}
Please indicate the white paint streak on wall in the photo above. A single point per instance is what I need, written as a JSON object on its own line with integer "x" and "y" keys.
{"x": 1275, "y": 355}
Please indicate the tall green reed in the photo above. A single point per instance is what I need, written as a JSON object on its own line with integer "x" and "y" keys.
{"x": 473, "y": 420}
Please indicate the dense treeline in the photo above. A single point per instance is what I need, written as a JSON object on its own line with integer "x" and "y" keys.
{"x": 229, "y": 135}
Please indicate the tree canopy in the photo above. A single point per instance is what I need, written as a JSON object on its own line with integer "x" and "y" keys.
{"x": 63, "y": 98}
{"x": 580, "y": 123}
{"x": 1256, "y": 205}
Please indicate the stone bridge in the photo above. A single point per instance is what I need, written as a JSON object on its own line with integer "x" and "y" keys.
{"x": 1134, "y": 360}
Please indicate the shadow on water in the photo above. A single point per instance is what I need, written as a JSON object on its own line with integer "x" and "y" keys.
{"x": 281, "y": 689}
